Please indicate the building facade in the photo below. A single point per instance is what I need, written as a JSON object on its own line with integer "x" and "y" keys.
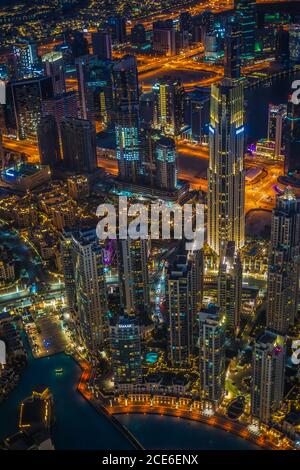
{"x": 268, "y": 363}
{"x": 284, "y": 263}
{"x": 126, "y": 117}
{"x": 226, "y": 181}
{"x": 212, "y": 355}
{"x": 125, "y": 344}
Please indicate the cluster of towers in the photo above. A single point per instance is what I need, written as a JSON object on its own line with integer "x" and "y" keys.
{"x": 145, "y": 128}
{"x": 193, "y": 331}
{"x": 63, "y": 121}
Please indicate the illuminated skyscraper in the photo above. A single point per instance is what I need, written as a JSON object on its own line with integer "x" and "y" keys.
{"x": 95, "y": 88}
{"x": 166, "y": 163}
{"x": 268, "y": 363}
{"x": 170, "y": 105}
{"x": 125, "y": 344}
{"x": 184, "y": 296}
{"x": 48, "y": 141}
{"x": 226, "y": 186}
{"x": 26, "y": 59}
{"x": 284, "y": 263}
{"x": 230, "y": 287}
{"x": 212, "y": 355}
{"x": 90, "y": 299}
{"x": 54, "y": 68}
{"x": 134, "y": 276}
{"x": 79, "y": 145}
{"x": 246, "y": 17}
{"x": 126, "y": 116}
{"x": 23, "y": 108}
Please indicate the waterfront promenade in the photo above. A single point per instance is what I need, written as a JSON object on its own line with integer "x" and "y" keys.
{"x": 264, "y": 440}
{"x": 267, "y": 438}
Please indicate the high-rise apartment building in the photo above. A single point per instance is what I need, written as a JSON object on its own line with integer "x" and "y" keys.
{"x": 284, "y": 263}
{"x": 268, "y": 364}
{"x": 230, "y": 287}
{"x": 170, "y": 94}
{"x": 125, "y": 345}
{"x": 84, "y": 272}
{"x": 184, "y": 295}
{"x": 134, "y": 276}
{"x": 212, "y": 369}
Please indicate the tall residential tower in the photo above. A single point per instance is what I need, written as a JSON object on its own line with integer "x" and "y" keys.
{"x": 284, "y": 263}
{"x": 212, "y": 354}
{"x": 268, "y": 363}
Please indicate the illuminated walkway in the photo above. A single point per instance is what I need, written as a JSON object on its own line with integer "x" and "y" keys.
{"x": 188, "y": 409}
